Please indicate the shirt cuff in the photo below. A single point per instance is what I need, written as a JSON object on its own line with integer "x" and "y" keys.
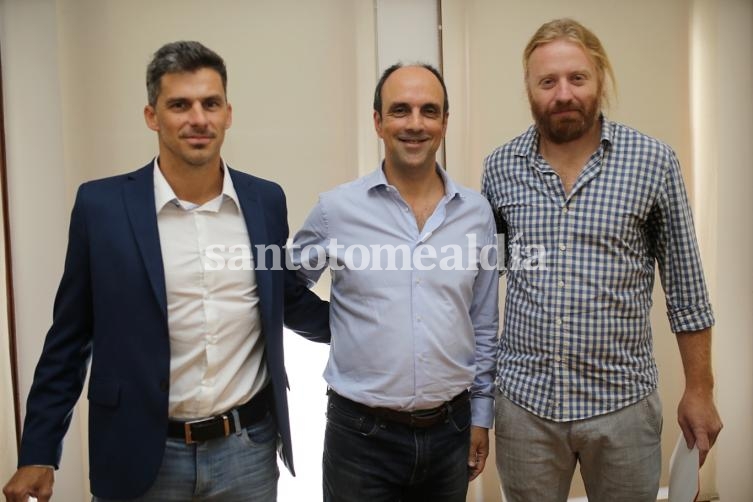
{"x": 692, "y": 318}
{"x": 482, "y": 411}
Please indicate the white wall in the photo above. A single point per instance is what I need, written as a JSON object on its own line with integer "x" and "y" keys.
{"x": 724, "y": 127}
{"x": 38, "y": 198}
{"x": 7, "y": 419}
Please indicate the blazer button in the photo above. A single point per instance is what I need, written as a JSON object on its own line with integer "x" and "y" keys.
{"x": 163, "y": 386}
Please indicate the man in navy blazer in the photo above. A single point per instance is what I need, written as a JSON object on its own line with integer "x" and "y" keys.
{"x": 175, "y": 286}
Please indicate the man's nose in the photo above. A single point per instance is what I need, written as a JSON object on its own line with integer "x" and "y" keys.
{"x": 415, "y": 120}
{"x": 197, "y": 114}
{"x": 564, "y": 91}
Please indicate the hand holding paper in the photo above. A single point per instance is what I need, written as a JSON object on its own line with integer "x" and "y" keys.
{"x": 683, "y": 472}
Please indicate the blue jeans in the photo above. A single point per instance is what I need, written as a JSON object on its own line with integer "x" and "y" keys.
{"x": 368, "y": 458}
{"x": 619, "y": 453}
{"x": 239, "y": 467}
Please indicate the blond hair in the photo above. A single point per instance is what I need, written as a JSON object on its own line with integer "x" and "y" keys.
{"x": 573, "y": 31}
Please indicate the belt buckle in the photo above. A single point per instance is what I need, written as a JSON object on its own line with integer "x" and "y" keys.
{"x": 188, "y": 431}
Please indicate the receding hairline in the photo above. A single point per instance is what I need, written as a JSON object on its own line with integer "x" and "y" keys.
{"x": 424, "y": 70}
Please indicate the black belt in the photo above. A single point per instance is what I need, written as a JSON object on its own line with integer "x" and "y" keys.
{"x": 193, "y": 431}
{"x": 418, "y": 419}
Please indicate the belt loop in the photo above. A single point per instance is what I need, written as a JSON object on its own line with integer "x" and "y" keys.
{"x": 236, "y": 421}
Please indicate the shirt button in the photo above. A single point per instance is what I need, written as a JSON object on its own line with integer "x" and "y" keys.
{"x": 557, "y": 359}
{"x": 563, "y": 247}
{"x": 564, "y": 210}
{"x": 558, "y": 321}
{"x": 561, "y": 284}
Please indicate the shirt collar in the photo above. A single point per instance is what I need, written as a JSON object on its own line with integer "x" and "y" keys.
{"x": 164, "y": 194}
{"x": 378, "y": 179}
{"x": 529, "y": 142}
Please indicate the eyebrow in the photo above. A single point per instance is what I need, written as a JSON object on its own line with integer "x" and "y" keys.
{"x": 407, "y": 105}
{"x": 180, "y": 99}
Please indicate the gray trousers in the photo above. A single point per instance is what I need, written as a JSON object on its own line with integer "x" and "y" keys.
{"x": 619, "y": 453}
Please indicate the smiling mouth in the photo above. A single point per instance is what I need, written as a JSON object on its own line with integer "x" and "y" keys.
{"x": 413, "y": 141}
{"x": 198, "y": 140}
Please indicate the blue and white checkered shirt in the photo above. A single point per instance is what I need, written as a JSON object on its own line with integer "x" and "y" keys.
{"x": 580, "y": 271}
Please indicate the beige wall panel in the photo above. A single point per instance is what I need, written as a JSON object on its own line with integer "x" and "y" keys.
{"x": 292, "y": 82}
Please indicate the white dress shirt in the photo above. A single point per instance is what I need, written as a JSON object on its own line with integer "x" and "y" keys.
{"x": 216, "y": 348}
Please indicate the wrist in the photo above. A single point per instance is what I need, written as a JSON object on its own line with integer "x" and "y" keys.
{"x": 704, "y": 387}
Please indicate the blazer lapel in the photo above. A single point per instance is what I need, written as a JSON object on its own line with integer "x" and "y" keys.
{"x": 138, "y": 193}
{"x": 253, "y": 214}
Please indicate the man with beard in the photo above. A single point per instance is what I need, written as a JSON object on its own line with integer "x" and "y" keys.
{"x": 576, "y": 374}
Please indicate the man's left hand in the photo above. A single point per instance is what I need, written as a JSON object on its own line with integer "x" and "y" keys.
{"x": 479, "y": 451}
{"x": 699, "y": 421}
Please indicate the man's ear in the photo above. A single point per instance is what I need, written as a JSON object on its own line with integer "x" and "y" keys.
{"x": 378, "y": 123}
{"x": 229, "y": 120}
{"x": 150, "y": 117}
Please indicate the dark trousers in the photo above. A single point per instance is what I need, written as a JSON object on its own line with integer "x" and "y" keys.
{"x": 369, "y": 458}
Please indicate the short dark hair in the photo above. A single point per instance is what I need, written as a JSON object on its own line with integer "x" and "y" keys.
{"x": 389, "y": 71}
{"x": 182, "y": 56}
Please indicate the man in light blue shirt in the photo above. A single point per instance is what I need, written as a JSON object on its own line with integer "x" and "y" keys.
{"x": 414, "y": 312}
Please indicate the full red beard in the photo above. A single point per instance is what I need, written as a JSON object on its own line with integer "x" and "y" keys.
{"x": 567, "y": 128}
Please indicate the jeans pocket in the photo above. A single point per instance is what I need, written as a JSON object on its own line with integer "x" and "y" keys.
{"x": 351, "y": 420}
{"x": 461, "y": 418}
{"x": 261, "y": 432}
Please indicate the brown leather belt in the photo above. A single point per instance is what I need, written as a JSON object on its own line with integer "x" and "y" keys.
{"x": 193, "y": 431}
{"x": 419, "y": 419}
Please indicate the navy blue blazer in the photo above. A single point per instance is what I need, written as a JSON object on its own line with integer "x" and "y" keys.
{"x": 111, "y": 306}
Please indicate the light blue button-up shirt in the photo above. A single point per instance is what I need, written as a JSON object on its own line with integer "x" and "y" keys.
{"x": 414, "y": 314}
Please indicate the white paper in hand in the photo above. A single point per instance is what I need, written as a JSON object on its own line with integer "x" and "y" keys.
{"x": 683, "y": 472}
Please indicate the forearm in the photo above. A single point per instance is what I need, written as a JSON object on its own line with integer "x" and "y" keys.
{"x": 695, "y": 351}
